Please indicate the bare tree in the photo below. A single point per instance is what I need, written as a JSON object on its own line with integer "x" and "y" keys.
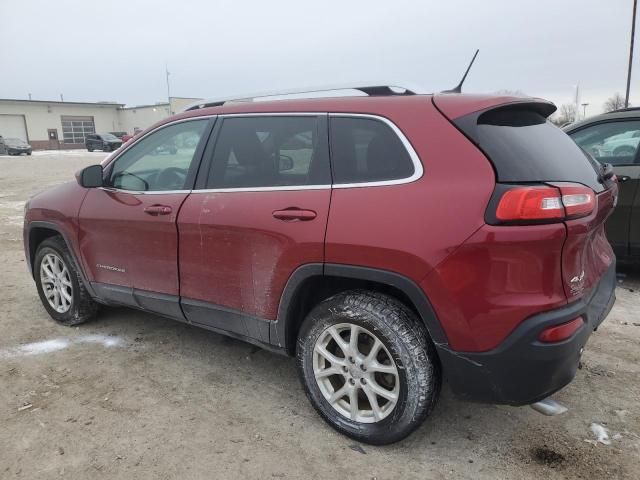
{"x": 615, "y": 102}
{"x": 565, "y": 114}
{"x": 511, "y": 93}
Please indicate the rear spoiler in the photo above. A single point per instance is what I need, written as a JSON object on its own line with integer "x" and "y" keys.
{"x": 456, "y": 106}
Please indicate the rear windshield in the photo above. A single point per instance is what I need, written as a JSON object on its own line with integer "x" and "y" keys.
{"x": 525, "y": 147}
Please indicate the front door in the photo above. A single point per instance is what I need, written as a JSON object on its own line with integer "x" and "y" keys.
{"x": 260, "y": 213}
{"x": 616, "y": 142}
{"x": 128, "y": 236}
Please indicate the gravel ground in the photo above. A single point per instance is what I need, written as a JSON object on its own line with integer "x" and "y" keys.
{"x": 131, "y": 395}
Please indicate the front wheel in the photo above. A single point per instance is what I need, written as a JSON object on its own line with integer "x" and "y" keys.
{"x": 59, "y": 284}
{"x": 368, "y": 366}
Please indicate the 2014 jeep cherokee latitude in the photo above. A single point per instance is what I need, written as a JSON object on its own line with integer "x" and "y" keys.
{"x": 387, "y": 242}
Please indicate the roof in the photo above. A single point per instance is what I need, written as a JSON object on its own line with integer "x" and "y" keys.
{"x": 162, "y": 104}
{"x": 357, "y": 104}
{"x": 58, "y": 102}
{"x": 628, "y": 113}
{"x": 456, "y": 104}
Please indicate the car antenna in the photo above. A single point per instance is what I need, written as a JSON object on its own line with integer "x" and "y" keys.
{"x": 458, "y": 88}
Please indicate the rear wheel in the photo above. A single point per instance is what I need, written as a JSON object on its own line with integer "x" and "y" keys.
{"x": 90, "y": 149}
{"x": 60, "y": 285}
{"x": 623, "y": 151}
{"x": 368, "y": 366}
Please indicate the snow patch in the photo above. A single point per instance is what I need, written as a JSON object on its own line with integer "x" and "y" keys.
{"x": 602, "y": 435}
{"x": 17, "y": 220}
{"x": 12, "y": 205}
{"x": 57, "y": 344}
{"x": 66, "y": 153}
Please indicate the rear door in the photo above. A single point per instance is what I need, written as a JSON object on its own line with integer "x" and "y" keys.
{"x": 128, "y": 235}
{"x": 258, "y": 213}
{"x": 616, "y": 142}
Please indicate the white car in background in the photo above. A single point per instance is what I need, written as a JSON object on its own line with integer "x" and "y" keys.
{"x": 620, "y": 145}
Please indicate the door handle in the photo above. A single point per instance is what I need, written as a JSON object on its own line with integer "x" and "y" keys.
{"x": 624, "y": 178}
{"x": 293, "y": 214}
{"x": 158, "y": 210}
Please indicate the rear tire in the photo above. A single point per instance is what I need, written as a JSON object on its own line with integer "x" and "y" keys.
{"x": 393, "y": 389}
{"x": 60, "y": 285}
{"x": 625, "y": 150}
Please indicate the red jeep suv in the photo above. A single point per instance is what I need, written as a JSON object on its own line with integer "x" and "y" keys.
{"x": 389, "y": 242}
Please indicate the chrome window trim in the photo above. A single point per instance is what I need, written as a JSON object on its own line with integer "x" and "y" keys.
{"x": 417, "y": 164}
{"x": 418, "y": 170}
{"x": 142, "y": 192}
{"x": 118, "y": 153}
{"x": 263, "y": 189}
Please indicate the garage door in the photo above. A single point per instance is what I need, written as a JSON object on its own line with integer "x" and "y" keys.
{"x": 12, "y": 126}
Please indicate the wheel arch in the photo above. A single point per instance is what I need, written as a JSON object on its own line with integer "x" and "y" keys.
{"x": 36, "y": 233}
{"x": 312, "y": 283}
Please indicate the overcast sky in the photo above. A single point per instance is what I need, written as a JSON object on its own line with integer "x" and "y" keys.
{"x": 116, "y": 50}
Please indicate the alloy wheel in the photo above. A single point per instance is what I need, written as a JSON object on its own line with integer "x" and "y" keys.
{"x": 355, "y": 373}
{"x": 56, "y": 282}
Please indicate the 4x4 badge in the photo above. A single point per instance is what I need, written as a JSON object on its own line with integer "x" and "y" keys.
{"x": 577, "y": 283}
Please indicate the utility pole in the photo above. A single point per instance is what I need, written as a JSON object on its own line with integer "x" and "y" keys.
{"x": 633, "y": 34}
{"x": 584, "y": 110}
{"x": 166, "y": 68}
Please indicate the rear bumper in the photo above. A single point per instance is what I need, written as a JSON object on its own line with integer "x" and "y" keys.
{"x": 523, "y": 370}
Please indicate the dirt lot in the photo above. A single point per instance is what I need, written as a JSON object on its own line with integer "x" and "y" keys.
{"x": 131, "y": 395}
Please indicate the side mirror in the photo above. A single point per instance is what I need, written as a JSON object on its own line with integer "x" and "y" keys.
{"x": 90, "y": 177}
{"x": 285, "y": 163}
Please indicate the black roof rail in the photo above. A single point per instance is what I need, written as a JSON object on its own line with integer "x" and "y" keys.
{"x": 371, "y": 90}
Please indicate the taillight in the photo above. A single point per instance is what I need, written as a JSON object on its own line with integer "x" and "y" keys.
{"x": 561, "y": 332}
{"x": 544, "y": 203}
{"x": 530, "y": 203}
{"x": 578, "y": 200}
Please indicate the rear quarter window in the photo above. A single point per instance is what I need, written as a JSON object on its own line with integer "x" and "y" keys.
{"x": 367, "y": 150}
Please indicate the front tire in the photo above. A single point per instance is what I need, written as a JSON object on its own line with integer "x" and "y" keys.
{"x": 368, "y": 366}
{"x": 60, "y": 285}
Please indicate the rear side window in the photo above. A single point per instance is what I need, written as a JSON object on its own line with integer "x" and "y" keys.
{"x": 262, "y": 151}
{"x": 525, "y": 147}
{"x": 367, "y": 150}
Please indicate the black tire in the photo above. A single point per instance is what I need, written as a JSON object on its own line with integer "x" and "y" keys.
{"x": 407, "y": 342}
{"x": 90, "y": 149}
{"x": 625, "y": 150}
{"x": 83, "y": 307}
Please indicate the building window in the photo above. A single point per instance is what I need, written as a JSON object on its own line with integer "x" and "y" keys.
{"x": 75, "y": 129}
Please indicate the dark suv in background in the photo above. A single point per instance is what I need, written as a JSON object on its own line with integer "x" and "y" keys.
{"x": 342, "y": 231}
{"x": 615, "y": 138}
{"x": 102, "y": 141}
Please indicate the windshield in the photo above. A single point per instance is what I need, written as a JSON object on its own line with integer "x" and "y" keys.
{"x": 13, "y": 141}
{"x": 108, "y": 136}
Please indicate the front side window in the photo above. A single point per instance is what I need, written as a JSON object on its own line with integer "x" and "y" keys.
{"x": 160, "y": 161}
{"x": 367, "y": 150}
{"x": 263, "y": 151}
{"x": 611, "y": 142}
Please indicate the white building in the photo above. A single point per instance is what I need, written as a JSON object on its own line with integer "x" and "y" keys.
{"x": 63, "y": 125}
